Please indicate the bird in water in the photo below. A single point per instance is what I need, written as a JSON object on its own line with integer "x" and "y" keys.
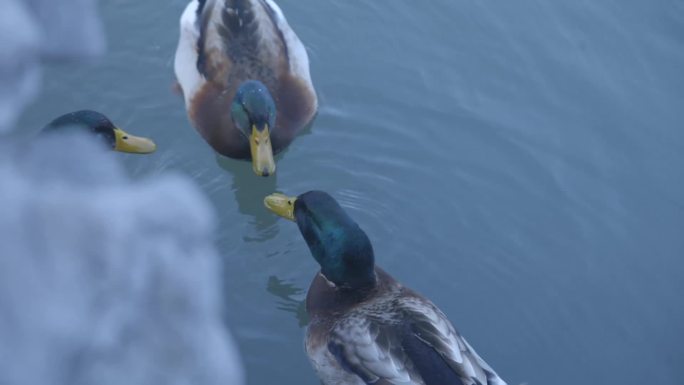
{"x": 365, "y": 327}
{"x": 100, "y": 126}
{"x": 244, "y": 75}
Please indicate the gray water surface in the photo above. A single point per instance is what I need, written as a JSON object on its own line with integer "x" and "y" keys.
{"x": 519, "y": 163}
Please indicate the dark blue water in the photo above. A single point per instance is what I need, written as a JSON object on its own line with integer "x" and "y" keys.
{"x": 519, "y": 163}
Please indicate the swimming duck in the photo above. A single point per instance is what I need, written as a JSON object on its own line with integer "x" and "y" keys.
{"x": 365, "y": 327}
{"x": 99, "y": 125}
{"x": 245, "y": 78}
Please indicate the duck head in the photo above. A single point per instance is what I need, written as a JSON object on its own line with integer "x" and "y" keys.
{"x": 100, "y": 126}
{"x": 253, "y": 112}
{"x": 337, "y": 243}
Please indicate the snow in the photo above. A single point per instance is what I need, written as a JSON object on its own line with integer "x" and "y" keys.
{"x": 19, "y": 67}
{"x": 104, "y": 280}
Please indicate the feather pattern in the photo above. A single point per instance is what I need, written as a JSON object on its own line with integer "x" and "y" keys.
{"x": 394, "y": 336}
{"x": 239, "y": 39}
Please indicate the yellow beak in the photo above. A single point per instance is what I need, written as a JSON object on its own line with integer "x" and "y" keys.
{"x": 262, "y": 152}
{"x": 281, "y": 204}
{"x": 132, "y": 144}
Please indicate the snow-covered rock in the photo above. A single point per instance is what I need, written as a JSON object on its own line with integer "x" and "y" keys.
{"x": 104, "y": 280}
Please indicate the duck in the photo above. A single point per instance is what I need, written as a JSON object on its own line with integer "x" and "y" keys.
{"x": 99, "y": 125}
{"x": 364, "y": 326}
{"x": 244, "y": 75}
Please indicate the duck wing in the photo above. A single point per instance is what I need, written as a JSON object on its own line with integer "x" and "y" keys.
{"x": 185, "y": 61}
{"x": 418, "y": 346}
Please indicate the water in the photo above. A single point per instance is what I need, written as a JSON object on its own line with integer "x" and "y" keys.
{"x": 518, "y": 163}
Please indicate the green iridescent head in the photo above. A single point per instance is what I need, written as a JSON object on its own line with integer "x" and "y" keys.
{"x": 337, "y": 243}
{"x": 254, "y": 112}
{"x": 102, "y": 128}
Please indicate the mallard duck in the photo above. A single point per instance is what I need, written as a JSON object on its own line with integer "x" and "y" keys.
{"x": 99, "y": 125}
{"x": 365, "y": 327}
{"x": 245, "y": 78}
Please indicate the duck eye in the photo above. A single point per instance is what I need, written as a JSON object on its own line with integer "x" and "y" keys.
{"x": 256, "y": 140}
{"x": 289, "y": 203}
{"x": 125, "y": 138}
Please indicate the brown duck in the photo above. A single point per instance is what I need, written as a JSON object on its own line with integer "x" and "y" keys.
{"x": 245, "y": 78}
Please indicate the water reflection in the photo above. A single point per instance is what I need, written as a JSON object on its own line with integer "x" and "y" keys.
{"x": 286, "y": 291}
{"x": 250, "y": 191}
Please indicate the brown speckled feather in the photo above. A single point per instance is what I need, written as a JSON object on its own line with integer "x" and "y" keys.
{"x": 387, "y": 334}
